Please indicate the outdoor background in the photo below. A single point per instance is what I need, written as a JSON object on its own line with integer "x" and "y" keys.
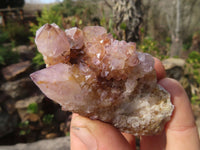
{"x": 167, "y": 29}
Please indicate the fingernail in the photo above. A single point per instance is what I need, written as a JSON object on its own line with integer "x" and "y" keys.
{"x": 85, "y": 137}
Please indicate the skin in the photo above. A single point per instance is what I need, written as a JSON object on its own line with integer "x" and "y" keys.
{"x": 180, "y": 132}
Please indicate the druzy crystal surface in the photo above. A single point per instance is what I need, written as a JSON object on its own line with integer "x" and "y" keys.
{"x": 90, "y": 73}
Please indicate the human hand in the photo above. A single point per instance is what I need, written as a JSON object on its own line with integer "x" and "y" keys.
{"x": 180, "y": 132}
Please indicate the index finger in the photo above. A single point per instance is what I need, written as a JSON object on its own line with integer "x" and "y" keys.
{"x": 181, "y": 131}
{"x": 160, "y": 70}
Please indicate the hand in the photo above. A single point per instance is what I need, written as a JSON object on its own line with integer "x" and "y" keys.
{"x": 180, "y": 133}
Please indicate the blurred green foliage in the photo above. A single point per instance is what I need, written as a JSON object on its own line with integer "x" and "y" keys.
{"x": 104, "y": 20}
{"x": 7, "y": 56}
{"x": 23, "y": 124}
{"x": 195, "y": 99}
{"x": 151, "y": 46}
{"x": 4, "y": 37}
{"x": 168, "y": 39}
{"x": 38, "y": 60}
{"x": 85, "y": 10}
{"x": 67, "y": 134}
{"x": 16, "y": 33}
{"x": 107, "y": 22}
{"x": 193, "y": 69}
{"x": 123, "y": 26}
{"x": 194, "y": 61}
{"x": 187, "y": 43}
{"x": 48, "y": 118}
{"x": 32, "y": 108}
{"x": 24, "y": 132}
{"x": 24, "y": 128}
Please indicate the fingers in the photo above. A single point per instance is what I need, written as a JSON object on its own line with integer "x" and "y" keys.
{"x": 89, "y": 134}
{"x": 181, "y": 132}
{"x": 130, "y": 139}
{"x": 160, "y": 70}
{"x": 157, "y": 142}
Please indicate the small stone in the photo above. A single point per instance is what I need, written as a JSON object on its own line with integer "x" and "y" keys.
{"x": 110, "y": 81}
{"x": 174, "y": 67}
{"x": 51, "y": 135}
{"x": 173, "y": 62}
{"x": 19, "y": 89}
{"x": 8, "y": 123}
{"x": 25, "y": 52}
{"x": 20, "y": 49}
{"x": 44, "y": 132}
{"x": 32, "y": 117}
{"x": 23, "y": 104}
{"x": 14, "y": 70}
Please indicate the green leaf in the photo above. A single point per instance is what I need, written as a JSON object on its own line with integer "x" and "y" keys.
{"x": 32, "y": 108}
{"x": 123, "y": 26}
{"x": 47, "y": 119}
{"x": 38, "y": 60}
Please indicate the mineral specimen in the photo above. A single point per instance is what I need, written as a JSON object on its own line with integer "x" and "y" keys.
{"x": 91, "y": 73}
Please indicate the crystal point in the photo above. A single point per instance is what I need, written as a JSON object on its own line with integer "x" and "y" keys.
{"x": 75, "y": 37}
{"x": 52, "y": 42}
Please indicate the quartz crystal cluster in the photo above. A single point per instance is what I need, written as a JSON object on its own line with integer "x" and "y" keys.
{"x": 90, "y": 73}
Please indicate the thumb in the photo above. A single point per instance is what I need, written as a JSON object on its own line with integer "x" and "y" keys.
{"x": 89, "y": 134}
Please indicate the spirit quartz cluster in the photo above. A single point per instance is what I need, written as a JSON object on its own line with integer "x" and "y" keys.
{"x": 90, "y": 73}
